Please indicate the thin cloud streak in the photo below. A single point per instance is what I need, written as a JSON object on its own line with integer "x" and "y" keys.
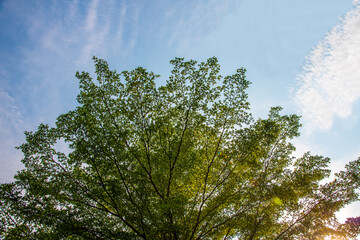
{"x": 120, "y": 27}
{"x": 10, "y": 122}
{"x": 329, "y": 84}
{"x": 62, "y": 36}
{"x": 190, "y": 25}
{"x": 98, "y": 32}
{"x": 91, "y": 17}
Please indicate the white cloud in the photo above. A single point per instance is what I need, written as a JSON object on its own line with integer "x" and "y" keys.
{"x": 301, "y": 148}
{"x": 330, "y": 82}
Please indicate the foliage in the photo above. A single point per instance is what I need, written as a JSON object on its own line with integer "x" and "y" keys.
{"x": 180, "y": 161}
{"x": 351, "y": 226}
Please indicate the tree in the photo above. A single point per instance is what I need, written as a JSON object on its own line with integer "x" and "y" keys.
{"x": 351, "y": 226}
{"x": 180, "y": 161}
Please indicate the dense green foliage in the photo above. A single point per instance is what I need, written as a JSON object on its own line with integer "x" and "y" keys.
{"x": 180, "y": 161}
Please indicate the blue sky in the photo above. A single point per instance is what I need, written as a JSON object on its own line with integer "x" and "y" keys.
{"x": 302, "y": 55}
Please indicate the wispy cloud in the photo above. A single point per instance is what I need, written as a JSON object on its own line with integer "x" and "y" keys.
{"x": 91, "y": 17}
{"x": 190, "y": 26}
{"x": 38, "y": 85}
{"x": 97, "y": 27}
{"x": 10, "y": 120}
{"x": 59, "y": 37}
{"x": 10, "y": 114}
{"x": 329, "y": 84}
{"x": 120, "y": 24}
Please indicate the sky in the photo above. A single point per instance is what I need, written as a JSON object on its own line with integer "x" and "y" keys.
{"x": 302, "y": 55}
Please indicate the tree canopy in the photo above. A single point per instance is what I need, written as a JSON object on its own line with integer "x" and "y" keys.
{"x": 185, "y": 160}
